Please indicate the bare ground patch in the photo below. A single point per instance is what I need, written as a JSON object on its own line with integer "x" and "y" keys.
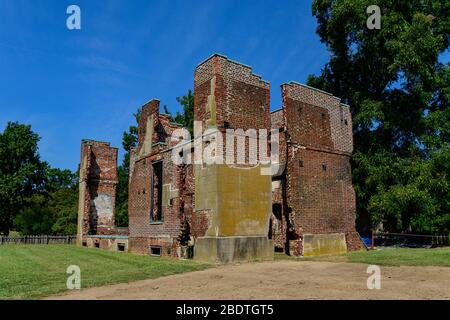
{"x": 282, "y": 280}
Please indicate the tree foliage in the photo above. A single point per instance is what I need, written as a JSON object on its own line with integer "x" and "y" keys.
{"x": 399, "y": 95}
{"x": 22, "y": 173}
{"x": 52, "y": 214}
{"x": 129, "y": 141}
{"x": 186, "y": 116}
{"x": 35, "y": 198}
{"x": 53, "y": 211}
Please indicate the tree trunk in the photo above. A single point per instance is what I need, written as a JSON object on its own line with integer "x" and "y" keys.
{"x": 5, "y": 231}
{"x": 6, "y": 221}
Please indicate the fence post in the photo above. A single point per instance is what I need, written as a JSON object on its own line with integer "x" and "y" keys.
{"x": 39, "y": 239}
{"x": 373, "y": 239}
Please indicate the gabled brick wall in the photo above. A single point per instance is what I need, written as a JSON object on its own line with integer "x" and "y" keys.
{"x": 98, "y": 180}
{"x": 143, "y": 231}
{"x": 243, "y": 97}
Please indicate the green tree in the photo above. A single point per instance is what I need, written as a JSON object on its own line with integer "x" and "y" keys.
{"x": 122, "y": 197}
{"x": 34, "y": 218}
{"x": 52, "y": 212}
{"x": 398, "y": 93}
{"x": 61, "y": 179}
{"x": 129, "y": 141}
{"x": 22, "y": 173}
{"x": 186, "y": 117}
{"x": 64, "y": 203}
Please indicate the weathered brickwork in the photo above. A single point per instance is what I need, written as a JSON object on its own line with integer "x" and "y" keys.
{"x": 243, "y": 97}
{"x": 310, "y": 200}
{"x": 232, "y": 200}
{"x": 320, "y": 198}
{"x": 279, "y": 222}
{"x": 98, "y": 179}
{"x": 97, "y": 184}
{"x": 155, "y": 206}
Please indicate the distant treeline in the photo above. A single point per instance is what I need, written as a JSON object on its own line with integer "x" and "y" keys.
{"x": 34, "y": 197}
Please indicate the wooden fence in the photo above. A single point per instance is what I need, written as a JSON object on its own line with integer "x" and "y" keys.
{"x": 411, "y": 240}
{"x": 38, "y": 240}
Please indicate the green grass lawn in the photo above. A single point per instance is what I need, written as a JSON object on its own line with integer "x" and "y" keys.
{"x": 387, "y": 257}
{"x": 34, "y": 271}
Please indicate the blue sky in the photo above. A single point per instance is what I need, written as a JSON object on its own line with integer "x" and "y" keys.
{"x": 71, "y": 85}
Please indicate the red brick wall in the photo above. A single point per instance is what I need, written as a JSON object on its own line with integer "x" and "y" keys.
{"x": 144, "y": 232}
{"x": 242, "y": 98}
{"x": 100, "y": 176}
{"x": 314, "y": 129}
{"x": 140, "y": 225}
{"x": 242, "y": 102}
{"x": 322, "y": 201}
{"x": 278, "y": 225}
{"x": 277, "y": 122}
{"x": 151, "y": 107}
{"x": 320, "y": 195}
{"x": 277, "y": 119}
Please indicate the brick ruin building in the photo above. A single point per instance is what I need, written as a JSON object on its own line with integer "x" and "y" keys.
{"x": 303, "y": 205}
{"x": 97, "y": 195}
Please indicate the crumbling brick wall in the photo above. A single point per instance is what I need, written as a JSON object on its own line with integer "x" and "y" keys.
{"x": 98, "y": 181}
{"x": 228, "y": 96}
{"x": 320, "y": 196}
{"x": 145, "y": 230}
{"x": 279, "y": 222}
{"x": 312, "y": 190}
{"x": 242, "y": 96}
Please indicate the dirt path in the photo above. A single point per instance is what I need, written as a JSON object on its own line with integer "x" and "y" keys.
{"x": 283, "y": 280}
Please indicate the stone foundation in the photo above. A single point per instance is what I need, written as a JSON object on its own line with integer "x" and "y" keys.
{"x": 323, "y": 244}
{"x": 233, "y": 249}
{"x": 111, "y": 243}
